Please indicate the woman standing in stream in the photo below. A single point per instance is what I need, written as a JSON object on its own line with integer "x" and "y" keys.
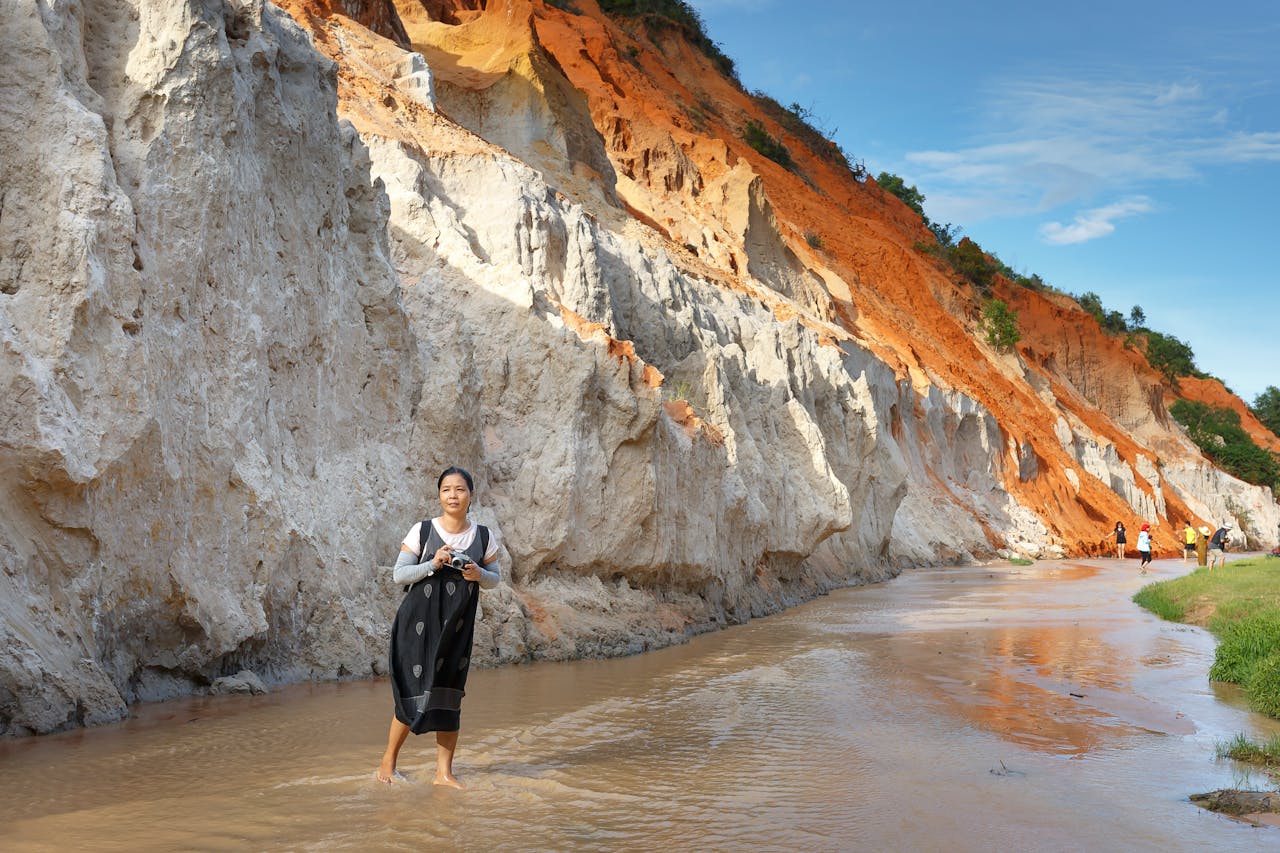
{"x": 443, "y": 561}
{"x": 1120, "y": 539}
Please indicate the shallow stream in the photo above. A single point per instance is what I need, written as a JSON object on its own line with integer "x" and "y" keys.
{"x": 950, "y": 709}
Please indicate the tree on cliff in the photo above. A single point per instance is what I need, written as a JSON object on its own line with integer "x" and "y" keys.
{"x": 1171, "y": 356}
{"x": 910, "y": 196}
{"x": 1266, "y": 408}
{"x": 1001, "y": 325}
{"x": 1092, "y": 303}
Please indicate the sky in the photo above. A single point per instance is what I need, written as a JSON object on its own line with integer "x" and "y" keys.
{"x": 1129, "y": 148}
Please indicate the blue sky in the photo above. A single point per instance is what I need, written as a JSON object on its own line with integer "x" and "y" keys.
{"x": 1130, "y": 148}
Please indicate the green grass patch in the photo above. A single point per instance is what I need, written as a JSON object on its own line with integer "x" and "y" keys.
{"x": 1240, "y": 605}
{"x": 1021, "y": 561}
{"x": 1263, "y": 687}
{"x": 1161, "y": 601}
{"x": 1244, "y": 644}
{"x": 1264, "y": 753}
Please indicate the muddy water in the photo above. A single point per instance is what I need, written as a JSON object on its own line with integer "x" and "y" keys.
{"x": 953, "y": 709}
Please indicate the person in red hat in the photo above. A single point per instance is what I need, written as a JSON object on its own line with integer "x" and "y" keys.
{"x": 1144, "y": 548}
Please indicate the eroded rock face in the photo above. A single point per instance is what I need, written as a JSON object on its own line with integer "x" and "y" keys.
{"x": 208, "y": 370}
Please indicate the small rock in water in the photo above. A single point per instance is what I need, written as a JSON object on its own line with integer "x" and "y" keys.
{"x": 1235, "y": 802}
{"x": 243, "y": 681}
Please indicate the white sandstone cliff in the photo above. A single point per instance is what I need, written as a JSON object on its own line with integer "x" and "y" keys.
{"x": 206, "y": 368}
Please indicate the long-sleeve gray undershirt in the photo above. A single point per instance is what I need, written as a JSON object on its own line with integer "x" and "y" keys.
{"x": 408, "y": 570}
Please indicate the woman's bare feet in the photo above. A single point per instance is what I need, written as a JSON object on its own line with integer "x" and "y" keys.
{"x": 449, "y": 781}
{"x": 446, "y": 743}
{"x": 395, "y": 739}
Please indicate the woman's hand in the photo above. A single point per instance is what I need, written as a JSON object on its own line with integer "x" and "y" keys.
{"x": 471, "y": 572}
{"x": 441, "y": 557}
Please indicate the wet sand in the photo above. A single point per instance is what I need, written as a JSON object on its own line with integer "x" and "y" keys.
{"x": 954, "y": 709}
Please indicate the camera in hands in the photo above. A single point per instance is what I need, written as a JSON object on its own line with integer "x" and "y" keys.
{"x": 457, "y": 560}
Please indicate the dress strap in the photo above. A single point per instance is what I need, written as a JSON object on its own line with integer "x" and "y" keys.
{"x": 426, "y": 536}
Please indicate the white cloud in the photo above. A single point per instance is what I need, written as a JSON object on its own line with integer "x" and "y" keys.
{"x": 1177, "y": 93}
{"x": 1095, "y": 223}
{"x": 1251, "y": 146}
{"x": 1064, "y": 140}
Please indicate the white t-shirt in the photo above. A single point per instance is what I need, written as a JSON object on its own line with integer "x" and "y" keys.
{"x": 459, "y": 541}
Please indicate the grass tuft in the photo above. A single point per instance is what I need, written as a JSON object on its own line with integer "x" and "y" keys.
{"x": 1263, "y": 687}
{"x": 1244, "y": 644}
{"x": 1158, "y": 599}
{"x": 1262, "y": 752}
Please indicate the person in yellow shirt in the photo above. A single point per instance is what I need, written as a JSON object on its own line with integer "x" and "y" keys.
{"x": 1189, "y": 537}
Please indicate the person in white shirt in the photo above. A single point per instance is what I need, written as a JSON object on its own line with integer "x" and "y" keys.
{"x": 1144, "y": 548}
{"x": 442, "y": 561}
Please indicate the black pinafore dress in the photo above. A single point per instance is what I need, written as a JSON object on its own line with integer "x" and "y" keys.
{"x": 431, "y": 641}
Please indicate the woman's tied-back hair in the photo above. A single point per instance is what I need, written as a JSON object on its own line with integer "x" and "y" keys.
{"x": 455, "y": 470}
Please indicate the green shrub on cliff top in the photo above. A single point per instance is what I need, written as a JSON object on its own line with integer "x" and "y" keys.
{"x": 1266, "y": 408}
{"x": 802, "y": 123}
{"x": 909, "y": 195}
{"x": 970, "y": 261}
{"x": 676, "y": 14}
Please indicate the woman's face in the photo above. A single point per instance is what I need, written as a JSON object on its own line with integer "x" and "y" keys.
{"x": 455, "y": 497}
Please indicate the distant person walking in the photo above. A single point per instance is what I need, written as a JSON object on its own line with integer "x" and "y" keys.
{"x": 1202, "y": 545}
{"x": 1189, "y": 535}
{"x": 1120, "y": 540}
{"x": 1144, "y": 548}
{"x": 1218, "y": 546}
